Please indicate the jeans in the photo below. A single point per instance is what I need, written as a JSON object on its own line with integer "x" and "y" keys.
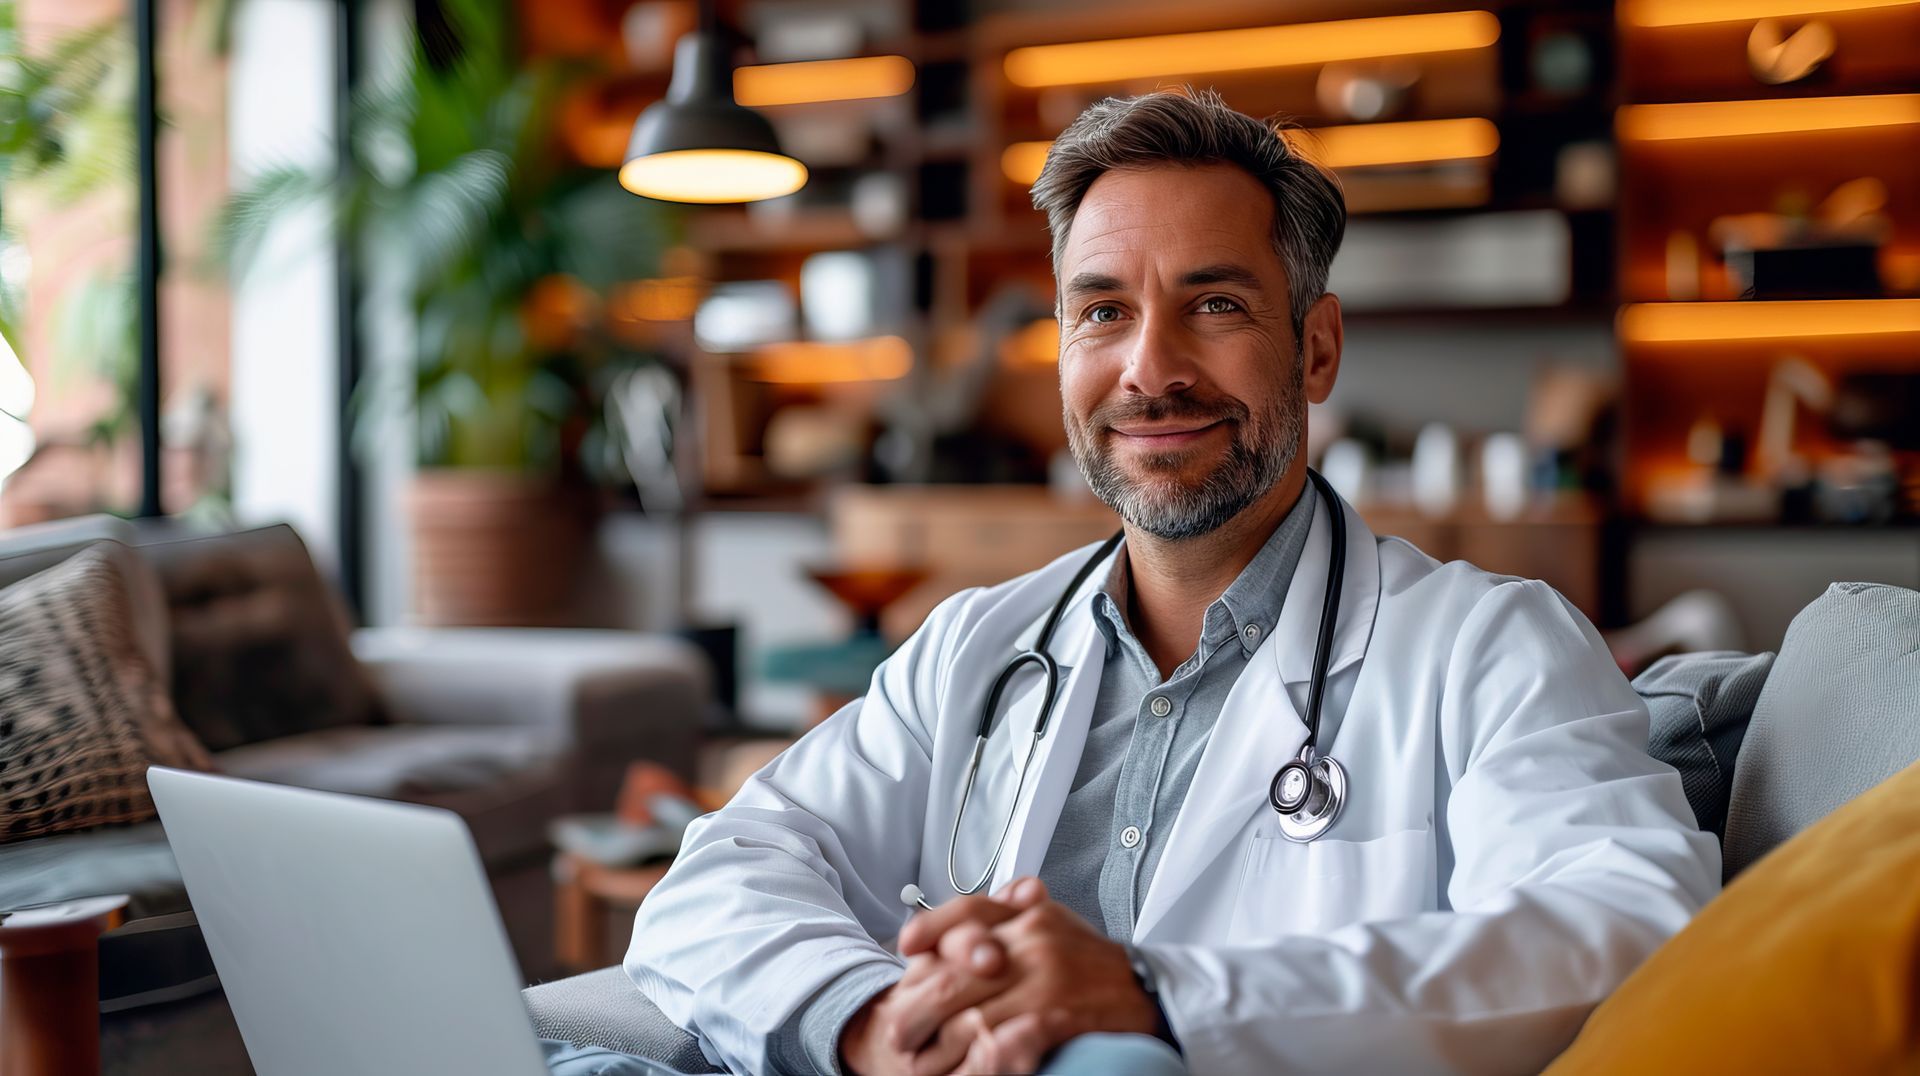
{"x": 1088, "y": 1055}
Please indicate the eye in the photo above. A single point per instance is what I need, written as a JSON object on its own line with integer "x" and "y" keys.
{"x": 1099, "y": 315}
{"x": 1218, "y": 304}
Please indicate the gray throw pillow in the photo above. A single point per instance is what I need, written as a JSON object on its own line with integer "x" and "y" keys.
{"x": 83, "y": 712}
{"x": 1840, "y": 714}
{"x": 1700, "y": 705}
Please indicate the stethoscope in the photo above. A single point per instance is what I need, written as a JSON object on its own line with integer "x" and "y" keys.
{"x": 1308, "y": 790}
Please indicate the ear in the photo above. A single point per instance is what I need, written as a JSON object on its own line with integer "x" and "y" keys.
{"x": 1321, "y": 337}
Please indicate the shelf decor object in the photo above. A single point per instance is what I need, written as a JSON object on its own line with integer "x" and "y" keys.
{"x": 700, "y": 145}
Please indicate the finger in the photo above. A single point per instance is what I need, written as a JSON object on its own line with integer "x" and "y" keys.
{"x": 1024, "y": 893}
{"x": 948, "y": 1050}
{"x": 972, "y": 945}
{"x": 983, "y": 1055}
{"x": 923, "y": 931}
{"x": 1057, "y": 1022}
{"x": 926, "y": 1005}
{"x": 920, "y": 967}
{"x": 1019, "y": 1044}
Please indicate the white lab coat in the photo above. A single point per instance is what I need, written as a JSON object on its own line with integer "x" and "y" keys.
{"x": 1508, "y": 853}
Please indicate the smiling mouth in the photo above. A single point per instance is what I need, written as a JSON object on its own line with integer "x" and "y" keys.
{"x": 1164, "y": 438}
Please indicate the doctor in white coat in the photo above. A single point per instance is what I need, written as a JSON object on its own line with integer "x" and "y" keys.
{"x": 1507, "y": 851}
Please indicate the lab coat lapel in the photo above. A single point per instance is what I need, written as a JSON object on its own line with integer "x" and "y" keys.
{"x": 1080, "y": 650}
{"x": 1259, "y": 727}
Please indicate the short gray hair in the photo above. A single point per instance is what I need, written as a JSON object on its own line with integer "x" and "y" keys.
{"x": 1194, "y": 128}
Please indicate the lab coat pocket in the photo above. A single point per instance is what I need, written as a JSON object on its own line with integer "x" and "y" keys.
{"x": 1315, "y": 888}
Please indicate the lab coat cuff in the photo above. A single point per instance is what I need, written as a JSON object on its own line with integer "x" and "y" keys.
{"x": 826, "y": 1016}
{"x": 1148, "y": 977}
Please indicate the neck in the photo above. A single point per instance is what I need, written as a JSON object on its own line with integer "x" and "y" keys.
{"x": 1171, "y": 583}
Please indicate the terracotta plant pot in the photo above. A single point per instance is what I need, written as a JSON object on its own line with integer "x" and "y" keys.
{"x": 492, "y": 547}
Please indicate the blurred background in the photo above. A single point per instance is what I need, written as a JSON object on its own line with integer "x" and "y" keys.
{"x": 1633, "y": 297}
{"x": 364, "y": 417}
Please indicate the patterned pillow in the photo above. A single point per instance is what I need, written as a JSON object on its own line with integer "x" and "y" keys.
{"x": 82, "y": 712}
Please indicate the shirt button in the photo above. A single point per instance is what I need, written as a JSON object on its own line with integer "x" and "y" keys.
{"x": 1251, "y": 633}
{"x": 1161, "y": 708}
{"x": 1130, "y": 836}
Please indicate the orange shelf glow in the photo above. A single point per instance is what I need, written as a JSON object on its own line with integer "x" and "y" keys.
{"x": 666, "y": 299}
{"x": 1036, "y": 345}
{"x": 1124, "y": 59}
{"x": 1366, "y": 145}
{"x": 1022, "y": 161}
{"x": 1655, "y": 13}
{"x": 814, "y": 81}
{"x": 1675, "y": 323}
{"x": 883, "y": 358}
{"x": 1728, "y": 119}
{"x": 1361, "y": 145}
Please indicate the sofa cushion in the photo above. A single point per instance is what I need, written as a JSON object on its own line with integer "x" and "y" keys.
{"x": 1840, "y": 713}
{"x": 134, "y": 860}
{"x": 505, "y": 782}
{"x": 1699, "y": 705}
{"x": 83, "y": 712}
{"x": 1804, "y": 964}
{"x": 603, "y": 1008}
{"x": 158, "y": 955}
{"x": 259, "y": 639}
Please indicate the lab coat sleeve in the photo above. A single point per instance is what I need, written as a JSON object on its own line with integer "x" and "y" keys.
{"x": 781, "y": 894}
{"x": 1574, "y": 857}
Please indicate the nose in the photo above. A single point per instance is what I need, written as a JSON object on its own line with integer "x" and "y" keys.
{"x": 1161, "y": 361}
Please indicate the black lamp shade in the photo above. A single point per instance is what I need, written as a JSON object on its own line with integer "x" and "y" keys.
{"x": 699, "y": 145}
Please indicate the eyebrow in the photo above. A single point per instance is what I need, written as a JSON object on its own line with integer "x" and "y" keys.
{"x": 1220, "y": 273}
{"x": 1082, "y": 283}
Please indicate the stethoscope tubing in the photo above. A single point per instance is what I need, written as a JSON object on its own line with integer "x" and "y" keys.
{"x": 1051, "y": 669}
{"x": 1038, "y": 655}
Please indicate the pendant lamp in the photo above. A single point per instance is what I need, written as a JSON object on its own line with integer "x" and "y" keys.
{"x": 700, "y": 145}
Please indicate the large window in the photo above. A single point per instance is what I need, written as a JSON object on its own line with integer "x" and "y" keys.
{"x": 70, "y": 426}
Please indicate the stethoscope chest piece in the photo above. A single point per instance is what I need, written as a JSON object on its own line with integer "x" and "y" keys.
{"x": 1308, "y": 793}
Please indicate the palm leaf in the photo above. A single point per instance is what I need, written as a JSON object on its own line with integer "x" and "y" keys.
{"x": 240, "y": 227}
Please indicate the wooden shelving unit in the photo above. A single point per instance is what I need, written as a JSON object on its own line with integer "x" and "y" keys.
{"x": 1704, "y": 136}
{"x": 970, "y": 232}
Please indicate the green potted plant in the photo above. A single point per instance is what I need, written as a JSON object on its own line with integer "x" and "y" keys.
{"x": 66, "y": 138}
{"x": 458, "y": 185}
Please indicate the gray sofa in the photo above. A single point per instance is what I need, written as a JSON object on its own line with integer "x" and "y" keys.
{"x": 507, "y": 727}
{"x": 1766, "y": 746}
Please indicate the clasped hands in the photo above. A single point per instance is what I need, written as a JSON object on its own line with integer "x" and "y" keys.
{"x": 994, "y": 984}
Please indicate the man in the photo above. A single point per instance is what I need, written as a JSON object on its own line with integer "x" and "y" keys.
{"x": 1505, "y": 854}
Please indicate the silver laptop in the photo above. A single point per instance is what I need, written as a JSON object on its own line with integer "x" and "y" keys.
{"x": 352, "y": 935}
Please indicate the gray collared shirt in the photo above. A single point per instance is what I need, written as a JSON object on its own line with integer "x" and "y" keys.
{"x": 1147, "y": 735}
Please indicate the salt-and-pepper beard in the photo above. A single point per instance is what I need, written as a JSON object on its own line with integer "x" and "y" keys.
{"x": 1261, "y": 451}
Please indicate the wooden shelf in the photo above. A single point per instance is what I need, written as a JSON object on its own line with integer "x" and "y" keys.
{"x": 1874, "y": 51}
{"x": 723, "y": 232}
{"x": 1590, "y": 312}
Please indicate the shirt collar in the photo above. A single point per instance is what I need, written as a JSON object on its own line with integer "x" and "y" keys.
{"x": 1253, "y": 599}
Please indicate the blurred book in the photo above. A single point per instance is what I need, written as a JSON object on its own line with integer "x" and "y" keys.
{"x": 605, "y": 839}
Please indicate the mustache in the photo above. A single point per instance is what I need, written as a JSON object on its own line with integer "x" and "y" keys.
{"x": 1162, "y": 408}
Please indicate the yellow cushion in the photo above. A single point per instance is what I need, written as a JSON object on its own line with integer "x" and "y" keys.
{"x": 1807, "y": 963}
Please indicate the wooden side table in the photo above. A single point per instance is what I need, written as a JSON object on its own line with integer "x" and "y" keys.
{"x": 584, "y": 892}
{"x": 50, "y": 986}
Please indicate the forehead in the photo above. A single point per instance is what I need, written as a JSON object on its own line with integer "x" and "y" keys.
{"x": 1167, "y": 214}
